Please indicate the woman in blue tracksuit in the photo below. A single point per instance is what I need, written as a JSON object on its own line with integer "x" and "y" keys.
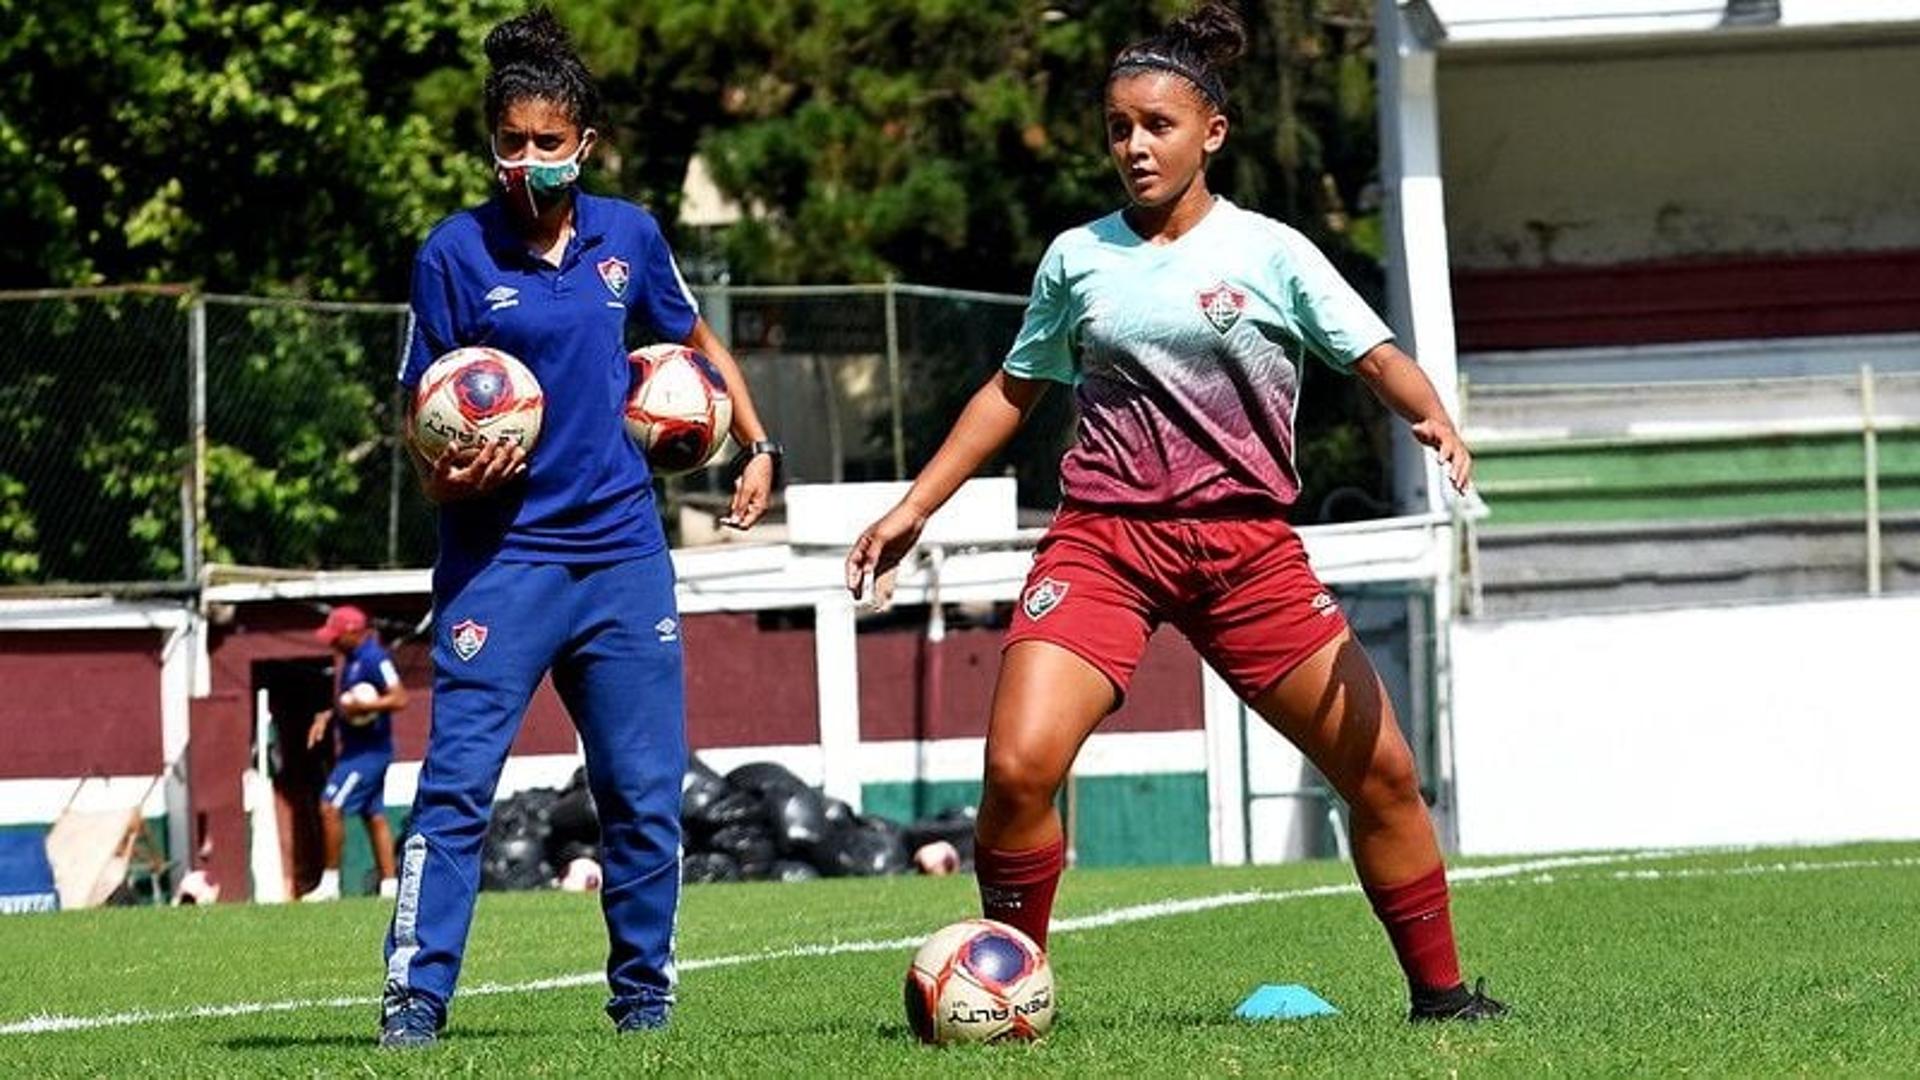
{"x": 553, "y": 562}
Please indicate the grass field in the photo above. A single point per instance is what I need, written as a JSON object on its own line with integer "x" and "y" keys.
{"x": 1751, "y": 963}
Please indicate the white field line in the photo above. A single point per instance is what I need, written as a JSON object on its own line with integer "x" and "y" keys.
{"x": 1528, "y": 872}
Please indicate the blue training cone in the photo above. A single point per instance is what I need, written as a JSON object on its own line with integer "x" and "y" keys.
{"x": 1288, "y": 1002}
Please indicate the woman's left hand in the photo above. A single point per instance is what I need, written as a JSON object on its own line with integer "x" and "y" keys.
{"x": 1446, "y": 441}
{"x": 752, "y": 490}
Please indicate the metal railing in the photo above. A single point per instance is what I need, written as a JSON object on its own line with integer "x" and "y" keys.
{"x": 148, "y": 431}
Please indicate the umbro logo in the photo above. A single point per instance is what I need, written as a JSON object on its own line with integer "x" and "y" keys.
{"x": 502, "y": 296}
{"x": 1325, "y": 604}
{"x": 668, "y": 629}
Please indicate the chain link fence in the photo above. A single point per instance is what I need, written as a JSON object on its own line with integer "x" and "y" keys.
{"x": 148, "y": 432}
{"x": 94, "y": 433}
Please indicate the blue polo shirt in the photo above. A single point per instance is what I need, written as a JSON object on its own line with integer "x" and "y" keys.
{"x": 367, "y": 663}
{"x": 588, "y": 494}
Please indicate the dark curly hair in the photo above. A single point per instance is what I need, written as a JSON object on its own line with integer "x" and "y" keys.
{"x": 532, "y": 56}
{"x": 1197, "y": 47}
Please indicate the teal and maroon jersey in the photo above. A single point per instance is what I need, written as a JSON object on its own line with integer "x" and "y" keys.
{"x": 1186, "y": 357}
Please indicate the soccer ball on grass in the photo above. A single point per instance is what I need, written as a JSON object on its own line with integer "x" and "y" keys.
{"x": 979, "y": 981}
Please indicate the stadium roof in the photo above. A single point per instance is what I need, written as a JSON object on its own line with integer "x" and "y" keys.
{"x": 1449, "y": 24}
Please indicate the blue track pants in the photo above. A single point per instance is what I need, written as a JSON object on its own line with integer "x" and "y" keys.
{"x": 610, "y": 635}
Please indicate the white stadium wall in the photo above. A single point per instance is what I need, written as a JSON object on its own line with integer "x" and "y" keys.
{"x": 1558, "y": 159}
{"x": 1773, "y": 724}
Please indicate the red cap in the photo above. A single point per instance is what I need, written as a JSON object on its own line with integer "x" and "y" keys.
{"x": 344, "y": 619}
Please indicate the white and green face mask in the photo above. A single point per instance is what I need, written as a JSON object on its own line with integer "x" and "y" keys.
{"x": 541, "y": 183}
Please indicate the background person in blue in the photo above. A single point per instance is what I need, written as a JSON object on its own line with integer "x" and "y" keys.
{"x": 554, "y": 561}
{"x": 358, "y": 782}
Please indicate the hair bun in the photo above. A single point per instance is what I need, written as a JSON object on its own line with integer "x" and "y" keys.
{"x": 1214, "y": 30}
{"x": 536, "y": 37}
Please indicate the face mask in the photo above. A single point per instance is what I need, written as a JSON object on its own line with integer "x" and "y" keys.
{"x": 541, "y": 183}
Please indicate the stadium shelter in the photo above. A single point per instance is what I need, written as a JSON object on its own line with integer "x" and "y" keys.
{"x": 1669, "y": 250}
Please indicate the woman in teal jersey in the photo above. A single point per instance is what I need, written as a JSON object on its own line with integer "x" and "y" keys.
{"x": 1182, "y": 322}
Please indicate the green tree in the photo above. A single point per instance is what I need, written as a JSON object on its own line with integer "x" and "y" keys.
{"x": 270, "y": 147}
{"x": 261, "y": 147}
{"x": 264, "y": 147}
{"x": 967, "y": 134}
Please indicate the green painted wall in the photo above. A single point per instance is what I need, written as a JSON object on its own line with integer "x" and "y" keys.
{"x": 1572, "y": 481}
{"x": 356, "y": 854}
{"x": 1140, "y": 820}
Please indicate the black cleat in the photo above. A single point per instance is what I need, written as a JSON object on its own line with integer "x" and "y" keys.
{"x": 1457, "y": 1004}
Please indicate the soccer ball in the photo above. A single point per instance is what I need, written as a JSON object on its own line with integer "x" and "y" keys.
{"x": 475, "y": 396}
{"x": 583, "y": 875}
{"x": 678, "y": 411}
{"x": 979, "y": 981}
{"x": 359, "y": 694}
{"x": 937, "y": 859}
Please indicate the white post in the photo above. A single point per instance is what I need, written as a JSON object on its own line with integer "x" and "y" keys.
{"x": 176, "y": 690}
{"x": 263, "y": 819}
{"x": 837, "y": 668}
{"x": 1226, "y": 768}
{"x": 1419, "y": 294}
{"x": 1443, "y": 607}
{"x": 1870, "y": 440}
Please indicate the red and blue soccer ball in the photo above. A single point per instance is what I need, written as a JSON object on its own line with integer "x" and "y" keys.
{"x": 474, "y": 396}
{"x": 678, "y": 411}
{"x": 979, "y": 981}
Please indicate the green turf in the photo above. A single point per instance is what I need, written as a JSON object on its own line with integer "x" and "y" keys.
{"x": 1743, "y": 964}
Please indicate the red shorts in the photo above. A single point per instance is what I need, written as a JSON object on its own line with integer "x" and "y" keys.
{"x": 1240, "y": 590}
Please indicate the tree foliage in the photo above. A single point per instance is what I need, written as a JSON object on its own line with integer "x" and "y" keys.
{"x": 303, "y": 149}
{"x": 265, "y": 146}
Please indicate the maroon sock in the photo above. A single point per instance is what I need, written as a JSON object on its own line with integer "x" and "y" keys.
{"x": 1016, "y": 887}
{"x": 1415, "y": 915}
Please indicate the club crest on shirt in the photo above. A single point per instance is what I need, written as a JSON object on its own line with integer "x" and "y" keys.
{"x": 1045, "y": 595}
{"x": 469, "y": 638}
{"x": 1222, "y": 305}
{"x": 614, "y": 271}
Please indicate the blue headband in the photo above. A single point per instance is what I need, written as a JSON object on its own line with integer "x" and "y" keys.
{"x": 1206, "y": 82}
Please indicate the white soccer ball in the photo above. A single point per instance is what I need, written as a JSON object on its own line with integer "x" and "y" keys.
{"x": 359, "y": 694}
{"x": 979, "y": 981}
{"x": 475, "y": 396}
{"x": 937, "y": 859}
{"x": 583, "y": 875}
{"x": 678, "y": 411}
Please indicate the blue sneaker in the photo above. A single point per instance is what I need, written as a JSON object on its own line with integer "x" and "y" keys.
{"x": 637, "y": 1020}
{"x": 409, "y": 1024}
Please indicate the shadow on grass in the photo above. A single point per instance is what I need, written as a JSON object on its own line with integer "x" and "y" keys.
{"x": 276, "y": 1042}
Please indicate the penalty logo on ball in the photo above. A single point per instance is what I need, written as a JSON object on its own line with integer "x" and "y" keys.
{"x": 483, "y": 389}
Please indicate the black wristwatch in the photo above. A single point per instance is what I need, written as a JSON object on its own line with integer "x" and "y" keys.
{"x": 755, "y": 449}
